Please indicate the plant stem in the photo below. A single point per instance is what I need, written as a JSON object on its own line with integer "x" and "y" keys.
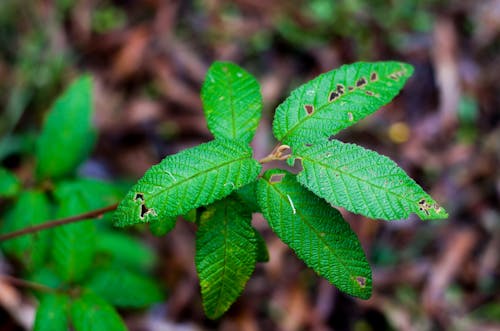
{"x": 54, "y": 223}
{"x": 24, "y": 283}
{"x": 280, "y": 152}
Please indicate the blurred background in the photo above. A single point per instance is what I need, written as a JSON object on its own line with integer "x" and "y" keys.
{"x": 149, "y": 58}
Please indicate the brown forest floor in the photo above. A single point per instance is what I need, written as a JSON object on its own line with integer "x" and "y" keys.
{"x": 149, "y": 59}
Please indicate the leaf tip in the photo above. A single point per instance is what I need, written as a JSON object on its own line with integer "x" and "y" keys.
{"x": 428, "y": 209}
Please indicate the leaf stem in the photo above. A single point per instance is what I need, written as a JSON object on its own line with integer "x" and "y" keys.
{"x": 24, "y": 283}
{"x": 280, "y": 153}
{"x": 53, "y": 223}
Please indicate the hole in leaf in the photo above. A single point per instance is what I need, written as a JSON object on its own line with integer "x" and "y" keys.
{"x": 139, "y": 197}
{"x": 333, "y": 96}
{"x": 276, "y": 178}
{"x": 350, "y": 116}
{"x": 361, "y": 281}
{"x": 308, "y": 144}
{"x": 361, "y": 82}
{"x": 332, "y": 137}
{"x": 144, "y": 210}
{"x": 425, "y": 206}
{"x": 350, "y": 88}
{"x": 309, "y": 109}
{"x": 373, "y": 76}
{"x": 370, "y": 93}
{"x": 340, "y": 89}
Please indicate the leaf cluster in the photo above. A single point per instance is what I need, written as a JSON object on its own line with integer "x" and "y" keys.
{"x": 219, "y": 185}
{"x": 88, "y": 268}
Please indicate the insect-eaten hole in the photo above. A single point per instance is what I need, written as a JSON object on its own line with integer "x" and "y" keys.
{"x": 361, "y": 281}
{"x": 370, "y": 93}
{"x": 309, "y": 109}
{"x": 340, "y": 89}
{"x": 373, "y": 76}
{"x": 333, "y": 96}
{"x": 361, "y": 82}
{"x": 425, "y": 207}
{"x": 332, "y": 137}
{"x": 144, "y": 210}
{"x": 276, "y": 178}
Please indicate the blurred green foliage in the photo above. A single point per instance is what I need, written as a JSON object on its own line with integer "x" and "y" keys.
{"x": 89, "y": 267}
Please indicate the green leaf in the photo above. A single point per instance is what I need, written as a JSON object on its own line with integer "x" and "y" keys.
{"x": 122, "y": 288}
{"x": 225, "y": 255}
{"x": 124, "y": 250}
{"x": 91, "y": 313}
{"x": 187, "y": 180}
{"x": 163, "y": 226}
{"x": 67, "y": 136}
{"x": 337, "y": 99}
{"x": 232, "y": 102}
{"x": 73, "y": 246}
{"x": 31, "y": 208}
{"x": 315, "y": 231}
{"x": 247, "y": 196}
{"x": 262, "y": 254}
{"x": 363, "y": 182}
{"x": 9, "y": 184}
{"x": 96, "y": 193}
{"x": 52, "y": 313}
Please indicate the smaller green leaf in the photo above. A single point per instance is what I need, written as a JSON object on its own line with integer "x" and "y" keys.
{"x": 315, "y": 231}
{"x": 9, "y": 184}
{"x": 225, "y": 254}
{"x": 73, "y": 246}
{"x": 92, "y": 313}
{"x": 187, "y": 180}
{"x": 363, "y": 182}
{"x": 162, "y": 226}
{"x": 52, "y": 313}
{"x": 232, "y": 102}
{"x": 122, "y": 288}
{"x": 124, "y": 250}
{"x": 67, "y": 136}
{"x": 262, "y": 254}
{"x": 31, "y": 208}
